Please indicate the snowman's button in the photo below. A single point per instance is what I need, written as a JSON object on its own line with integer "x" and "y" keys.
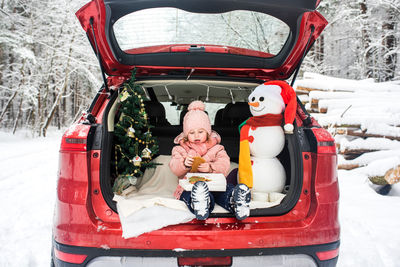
{"x": 251, "y": 139}
{"x": 252, "y": 162}
{"x": 253, "y": 128}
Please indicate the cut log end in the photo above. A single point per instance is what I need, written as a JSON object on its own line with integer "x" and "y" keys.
{"x": 378, "y": 180}
{"x": 392, "y": 176}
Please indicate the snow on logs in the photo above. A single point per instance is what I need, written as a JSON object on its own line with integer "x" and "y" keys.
{"x": 364, "y": 118}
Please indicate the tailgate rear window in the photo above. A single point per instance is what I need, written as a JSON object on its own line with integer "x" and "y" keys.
{"x": 166, "y": 26}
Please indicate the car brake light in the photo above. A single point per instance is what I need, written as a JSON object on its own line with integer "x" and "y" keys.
{"x": 68, "y": 257}
{"x": 205, "y": 261}
{"x": 325, "y": 141}
{"x": 73, "y": 144}
{"x": 75, "y": 138}
{"x": 326, "y": 147}
{"x": 195, "y": 48}
{"x": 327, "y": 255}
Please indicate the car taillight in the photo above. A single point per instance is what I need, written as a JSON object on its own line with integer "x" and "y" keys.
{"x": 205, "y": 261}
{"x": 325, "y": 141}
{"x": 75, "y": 138}
{"x": 73, "y": 144}
{"x": 327, "y": 255}
{"x": 326, "y": 147}
{"x": 69, "y": 257}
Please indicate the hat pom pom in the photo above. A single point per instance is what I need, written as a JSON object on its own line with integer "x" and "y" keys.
{"x": 197, "y": 105}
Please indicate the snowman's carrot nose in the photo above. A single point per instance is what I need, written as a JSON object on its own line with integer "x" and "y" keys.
{"x": 254, "y": 104}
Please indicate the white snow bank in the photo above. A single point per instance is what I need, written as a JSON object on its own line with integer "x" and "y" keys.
{"x": 353, "y": 95}
{"x": 379, "y": 167}
{"x": 381, "y": 129}
{"x": 355, "y": 102}
{"x": 370, "y": 103}
{"x": 365, "y": 119}
{"x": 367, "y": 158}
{"x": 327, "y": 83}
{"x": 369, "y": 130}
{"x": 329, "y": 95}
{"x": 370, "y": 223}
{"x": 377, "y": 112}
{"x": 303, "y": 98}
{"x": 28, "y": 191}
{"x": 371, "y": 143}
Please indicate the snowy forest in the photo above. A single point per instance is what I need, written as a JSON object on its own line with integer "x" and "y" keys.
{"x": 49, "y": 73}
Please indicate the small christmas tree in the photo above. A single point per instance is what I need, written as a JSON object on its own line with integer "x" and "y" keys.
{"x": 135, "y": 147}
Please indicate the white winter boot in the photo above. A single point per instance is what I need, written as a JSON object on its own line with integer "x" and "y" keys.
{"x": 200, "y": 200}
{"x": 241, "y": 201}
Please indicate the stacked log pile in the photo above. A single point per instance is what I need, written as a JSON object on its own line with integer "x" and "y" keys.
{"x": 364, "y": 118}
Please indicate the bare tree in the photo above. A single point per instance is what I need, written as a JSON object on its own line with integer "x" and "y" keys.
{"x": 43, "y": 54}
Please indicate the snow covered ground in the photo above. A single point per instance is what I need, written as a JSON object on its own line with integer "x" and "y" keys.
{"x": 370, "y": 222}
{"x": 27, "y": 193}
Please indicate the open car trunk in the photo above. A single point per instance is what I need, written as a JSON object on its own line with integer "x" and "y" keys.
{"x": 228, "y": 111}
{"x": 259, "y": 38}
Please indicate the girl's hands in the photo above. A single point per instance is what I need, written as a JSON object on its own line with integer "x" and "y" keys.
{"x": 188, "y": 162}
{"x": 204, "y": 167}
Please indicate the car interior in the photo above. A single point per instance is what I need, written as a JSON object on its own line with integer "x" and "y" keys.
{"x": 226, "y": 105}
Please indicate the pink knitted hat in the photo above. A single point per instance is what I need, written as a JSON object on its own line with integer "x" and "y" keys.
{"x": 196, "y": 118}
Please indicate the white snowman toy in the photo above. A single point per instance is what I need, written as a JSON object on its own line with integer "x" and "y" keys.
{"x": 262, "y": 138}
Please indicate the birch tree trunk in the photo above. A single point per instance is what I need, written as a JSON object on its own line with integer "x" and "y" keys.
{"x": 18, "y": 114}
{"x": 55, "y": 105}
{"x": 42, "y": 112}
{"x": 43, "y": 130}
{"x": 8, "y": 104}
{"x": 366, "y": 40}
{"x": 389, "y": 41}
{"x": 21, "y": 72}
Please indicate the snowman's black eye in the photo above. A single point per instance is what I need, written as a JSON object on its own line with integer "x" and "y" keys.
{"x": 261, "y": 98}
{"x": 252, "y": 100}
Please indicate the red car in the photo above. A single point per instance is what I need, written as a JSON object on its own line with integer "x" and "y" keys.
{"x": 217, "y": 51}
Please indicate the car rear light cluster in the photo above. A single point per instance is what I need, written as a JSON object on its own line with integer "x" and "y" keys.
{"x": 69, "y": 257}
{"x": 325, "y": 142}
{"x": 326, "y": 147}
{"x": 73, "y": 144}
{"x": 327, "y": 255}
{"x": 75, "y": 138}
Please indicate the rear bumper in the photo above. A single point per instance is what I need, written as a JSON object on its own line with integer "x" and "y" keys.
{"x": 307, "y": 255}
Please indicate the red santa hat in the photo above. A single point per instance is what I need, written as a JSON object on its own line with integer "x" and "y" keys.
{"x": 289, "y": 98}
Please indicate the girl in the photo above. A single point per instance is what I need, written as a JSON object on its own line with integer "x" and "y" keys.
{"x": 198, "y": 140}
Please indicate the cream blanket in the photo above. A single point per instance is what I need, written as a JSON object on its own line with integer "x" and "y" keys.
{"x": 152, "y": 206}
{"x": 156, "y": 188}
